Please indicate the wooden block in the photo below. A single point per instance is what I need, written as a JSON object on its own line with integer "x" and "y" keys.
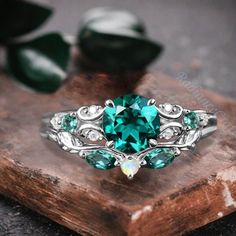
{"x": 199, "y": 187}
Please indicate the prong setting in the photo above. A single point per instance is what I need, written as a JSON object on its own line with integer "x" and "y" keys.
{"x": 151, "y": 102}
{"x": 177, "y": 151}
{"x": 143, "y": 163}
{"x": 152, "y": 142}
{"x": 117, "y": 163}
{"x": 109, "y": 103}
{"x": 109, "y": 144}
{"x": 130, "y": 177}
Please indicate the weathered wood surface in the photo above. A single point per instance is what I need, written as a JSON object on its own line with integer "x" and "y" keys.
{"x": 196, "y": 189}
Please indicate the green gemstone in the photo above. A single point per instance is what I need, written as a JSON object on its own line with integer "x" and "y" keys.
{"x": 100, "y": 159}
{"x": 69, "y": 123}
{"x": 191, "y": 120}
{"x": 131, "y": 123}
{"x": 159, "y": 158}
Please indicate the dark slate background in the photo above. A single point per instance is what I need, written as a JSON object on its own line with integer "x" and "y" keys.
{"x": 200, "y": 39}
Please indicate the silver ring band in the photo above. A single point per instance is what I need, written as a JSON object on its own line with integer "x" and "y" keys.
{"x": 179, "y": 129}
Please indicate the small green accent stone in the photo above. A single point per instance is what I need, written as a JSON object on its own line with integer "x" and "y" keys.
{"x": 69, "y": 123}
{"x": 131, "y": 123}
{"x": 191, "y": 120}
{"x": 100, "y": 159}
{"x": 159, "y": 158}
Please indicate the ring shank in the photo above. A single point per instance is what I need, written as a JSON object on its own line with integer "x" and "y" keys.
{"x": 211, "y": 125}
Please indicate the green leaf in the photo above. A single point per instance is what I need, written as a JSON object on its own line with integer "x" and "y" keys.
{"x": 116, "y": 40}
{"x": 19, "y": 17}
{"x": 40, "y": 64}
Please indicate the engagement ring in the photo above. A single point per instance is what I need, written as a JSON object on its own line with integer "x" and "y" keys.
{"x": 130, "y": 132}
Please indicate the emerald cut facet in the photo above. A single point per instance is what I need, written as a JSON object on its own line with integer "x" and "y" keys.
{"x": 160, "y": 158}
{"x": 100, "y": 159}
{"x": 69, "y": 123}
{"x": 131, "y": 123}
{"x": 191, "y": 120}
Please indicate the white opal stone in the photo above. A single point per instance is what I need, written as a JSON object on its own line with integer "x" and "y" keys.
{"x": 130, "y": 167}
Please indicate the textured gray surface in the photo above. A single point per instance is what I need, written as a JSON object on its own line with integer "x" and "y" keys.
{"x": 16, "y": 220}
{"x": 200, "y": 40}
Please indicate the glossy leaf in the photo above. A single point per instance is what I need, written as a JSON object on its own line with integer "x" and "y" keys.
{"x": 19, "y": 17}
{"x": 40, "y": 64}
{"x": 116, "y": 40}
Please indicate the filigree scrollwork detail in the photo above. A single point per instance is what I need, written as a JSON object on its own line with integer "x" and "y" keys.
{"x": 90, "y": 113}
{"x": 178, "y": 129}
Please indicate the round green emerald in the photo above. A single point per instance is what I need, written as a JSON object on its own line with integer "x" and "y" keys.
{"x": 191, "y": 120}
{"x": 131, "y": 123}
{"x": 100, "y": 159}
{"x": 159, "y": 158}
{"x": 69, "y": 123}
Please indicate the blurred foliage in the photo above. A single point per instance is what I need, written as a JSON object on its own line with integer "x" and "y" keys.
{"x": 110, "y": 40}
{"x": 41, "y": 63}
{"x": 116, "y": 40}
{"x": 20, "y": 17}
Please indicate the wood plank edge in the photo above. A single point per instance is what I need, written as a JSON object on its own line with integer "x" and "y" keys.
{"x": 191, "y": 208}
{"x": 62, "y": 202}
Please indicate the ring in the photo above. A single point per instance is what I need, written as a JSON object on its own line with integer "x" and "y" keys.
{"x": 131, "y": 132}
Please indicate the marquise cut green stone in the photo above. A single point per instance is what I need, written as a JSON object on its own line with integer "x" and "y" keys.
{"x": 159, "y": 158}
{"x": 100, "y": 159}
{"x": 131, "y": 123}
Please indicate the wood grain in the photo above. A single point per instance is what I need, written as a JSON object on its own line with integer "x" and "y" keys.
{"x": 196, "y": 189}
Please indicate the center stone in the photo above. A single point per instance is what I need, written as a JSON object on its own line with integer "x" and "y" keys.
{"x": 131, "y": 123}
